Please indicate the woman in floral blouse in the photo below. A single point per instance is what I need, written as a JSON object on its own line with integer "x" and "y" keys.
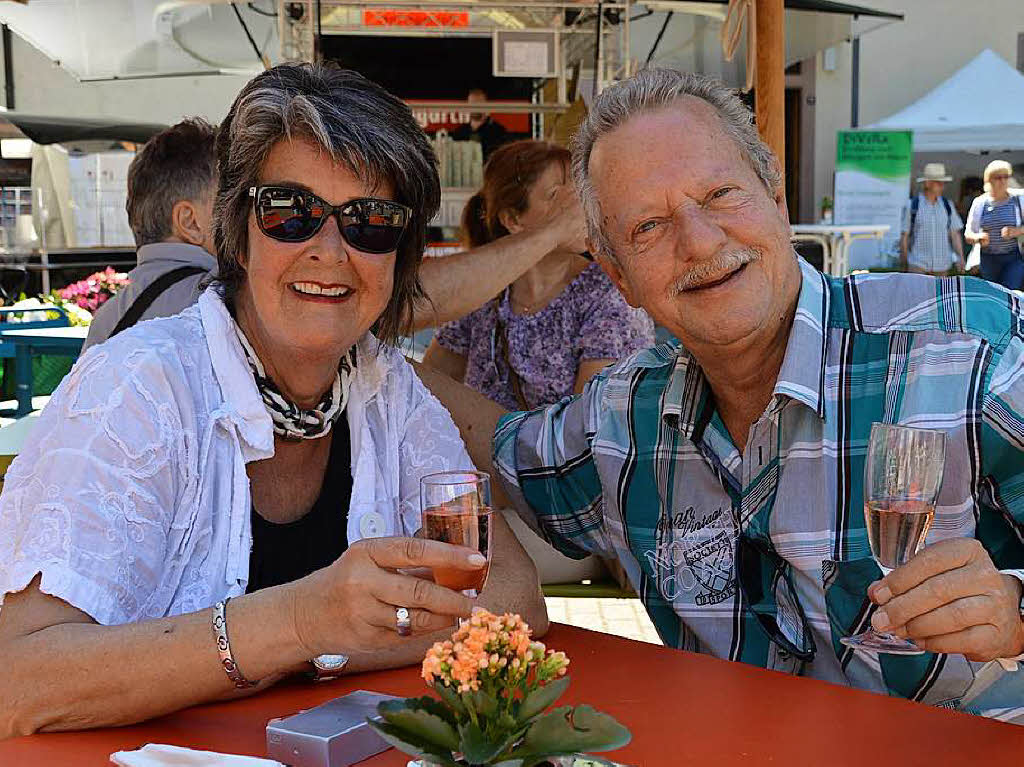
{"x": 556, "y": 326}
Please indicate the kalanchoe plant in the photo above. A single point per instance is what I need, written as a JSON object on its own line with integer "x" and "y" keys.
{"x": 494, "y": 686}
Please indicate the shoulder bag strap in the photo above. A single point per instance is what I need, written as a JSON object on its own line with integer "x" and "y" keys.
{"x": 151, "y": 293}
{"x": 1020, "y": 222}
{"x": 915, "y": 202}
{"x": 514, "y": 380}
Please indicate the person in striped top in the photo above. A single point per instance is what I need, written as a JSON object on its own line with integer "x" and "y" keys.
{"x": 995, "y": 221}
{"x": 725, "y": 470}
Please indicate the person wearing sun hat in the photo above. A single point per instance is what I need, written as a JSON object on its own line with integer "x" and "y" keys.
{"x": 930, "y": 240}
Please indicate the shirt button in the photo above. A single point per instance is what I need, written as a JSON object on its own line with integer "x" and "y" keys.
{"x": 371, "y": 525}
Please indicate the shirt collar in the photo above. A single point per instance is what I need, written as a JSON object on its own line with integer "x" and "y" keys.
{"x": 801, "y": 377}
{"x": 193, "y": 255}
{"x": 685, "y": 400}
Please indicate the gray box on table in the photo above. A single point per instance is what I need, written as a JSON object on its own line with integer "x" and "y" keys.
{"x": 334, "y": 734}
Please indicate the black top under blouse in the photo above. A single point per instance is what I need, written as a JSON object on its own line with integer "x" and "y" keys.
{"x": 285, "y": 552}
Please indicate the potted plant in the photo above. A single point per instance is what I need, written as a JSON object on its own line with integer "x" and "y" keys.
{"x": 494, "y": 686}
{"x": 826, "y": 209}
{"x": 92, "y": 292}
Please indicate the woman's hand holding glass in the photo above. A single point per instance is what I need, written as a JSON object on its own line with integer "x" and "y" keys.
{"x": 350, "y": 606}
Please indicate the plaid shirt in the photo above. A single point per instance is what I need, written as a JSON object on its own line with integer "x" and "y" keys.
{"x": 931, "y": 249}
{"x": 641, "y": 467}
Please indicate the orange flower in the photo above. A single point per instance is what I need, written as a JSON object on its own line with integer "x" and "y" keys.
{"x": 492, "y": 650}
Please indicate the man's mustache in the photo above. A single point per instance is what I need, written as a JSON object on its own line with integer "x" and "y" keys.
{"x": 716, "y": 268}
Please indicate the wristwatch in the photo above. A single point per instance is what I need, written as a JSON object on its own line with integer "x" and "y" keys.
{"x": 327, "y": 667}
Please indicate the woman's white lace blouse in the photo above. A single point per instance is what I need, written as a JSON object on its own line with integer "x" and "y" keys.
{"x": 131, "y": 495}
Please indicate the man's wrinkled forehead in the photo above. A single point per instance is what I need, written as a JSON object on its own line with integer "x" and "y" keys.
{"x": 681, "y": 145}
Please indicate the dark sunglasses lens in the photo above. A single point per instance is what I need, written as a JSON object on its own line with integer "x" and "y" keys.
{"x": 288, "y": 215}
{"x": 373, "y": 226}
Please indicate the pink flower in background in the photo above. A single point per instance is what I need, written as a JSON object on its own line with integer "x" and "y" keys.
{"x": 92, "y": 292}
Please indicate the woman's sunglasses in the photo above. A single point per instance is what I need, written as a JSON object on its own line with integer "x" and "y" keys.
{"x": 295, "y": 215}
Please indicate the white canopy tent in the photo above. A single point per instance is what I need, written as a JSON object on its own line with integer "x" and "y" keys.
{"x": 979, "y": 109}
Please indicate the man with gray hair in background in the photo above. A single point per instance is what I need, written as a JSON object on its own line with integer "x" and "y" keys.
{"x": 725, "y": 470}
{"x": 172, "y": 183}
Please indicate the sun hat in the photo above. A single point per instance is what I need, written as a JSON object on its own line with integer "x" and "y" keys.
{"x": 934, "y": 171}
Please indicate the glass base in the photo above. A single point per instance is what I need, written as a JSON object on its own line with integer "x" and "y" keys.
{"x": 873, "y": 641}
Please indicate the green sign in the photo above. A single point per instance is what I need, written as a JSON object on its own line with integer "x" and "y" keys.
{"x": 882, "y": 154}
{"x": 872, "y": 186}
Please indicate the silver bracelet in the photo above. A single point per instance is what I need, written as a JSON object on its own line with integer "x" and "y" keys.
{"x": 227, "y": 662}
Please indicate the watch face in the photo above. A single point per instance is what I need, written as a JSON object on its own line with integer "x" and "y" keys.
{"x": 330, "y": 662}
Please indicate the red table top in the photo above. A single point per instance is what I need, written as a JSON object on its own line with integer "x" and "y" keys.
{"x": 682, "y": 708}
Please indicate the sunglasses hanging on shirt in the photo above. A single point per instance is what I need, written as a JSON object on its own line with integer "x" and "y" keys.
{"x": 367, "y": 224}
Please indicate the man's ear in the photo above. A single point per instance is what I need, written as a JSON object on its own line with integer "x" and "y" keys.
{"x": 780, "y": 203}
{"x": 185, "y": 224}
{"x": 611, "y": 267}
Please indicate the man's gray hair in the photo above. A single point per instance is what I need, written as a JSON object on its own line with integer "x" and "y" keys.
{"x": 647, "y": 91}
{"x": 357, "y": 124}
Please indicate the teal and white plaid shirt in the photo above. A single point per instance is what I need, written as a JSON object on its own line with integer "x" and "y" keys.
{"x": 641, "y": 467}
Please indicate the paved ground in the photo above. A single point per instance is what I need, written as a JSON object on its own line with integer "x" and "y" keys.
{"x": 623, "y": 617}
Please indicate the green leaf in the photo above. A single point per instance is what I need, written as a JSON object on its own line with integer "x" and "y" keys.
{"x": 408, "y": 716}
{"x": 540, "y": 699}
{"x": 411, "y": 745}
{"x": 436, "y": 707}
{"x": 569, "y": 730}
{"x": 449, "y": 696}
{"x": 484, "y": 704}
{"x": 476, "y": 747}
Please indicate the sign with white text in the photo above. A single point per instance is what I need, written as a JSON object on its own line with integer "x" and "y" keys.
{"x": 872, "y": 186}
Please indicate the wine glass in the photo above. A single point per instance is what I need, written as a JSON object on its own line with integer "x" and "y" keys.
{"x": 901, "y": 484}
{"x": 456, "y": 508}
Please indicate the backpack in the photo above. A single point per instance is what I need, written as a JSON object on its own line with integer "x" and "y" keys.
{"x": 915, "y": 203}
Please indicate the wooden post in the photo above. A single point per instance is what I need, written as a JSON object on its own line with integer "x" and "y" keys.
{"x": 770, "y": 87}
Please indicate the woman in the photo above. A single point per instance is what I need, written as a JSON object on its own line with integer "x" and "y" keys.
{"x": 256, "y": 446}
{"x": 556, "y": 326}
{"x": 995, "y": 222}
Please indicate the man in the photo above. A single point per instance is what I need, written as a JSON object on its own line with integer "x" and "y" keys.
{"x": 481, "y": 127}
{"x": 725, "y": 471}
{"x": 172, "y": 183}
{"x": 930, "y": 242}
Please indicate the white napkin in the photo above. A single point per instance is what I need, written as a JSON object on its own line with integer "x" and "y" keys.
{"x": 159, "y": 755}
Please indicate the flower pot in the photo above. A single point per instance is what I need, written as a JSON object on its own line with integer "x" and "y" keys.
{"x": 557, "y": 761}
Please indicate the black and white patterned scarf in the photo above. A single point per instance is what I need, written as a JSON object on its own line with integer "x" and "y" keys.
{"x": 291, "y": 421}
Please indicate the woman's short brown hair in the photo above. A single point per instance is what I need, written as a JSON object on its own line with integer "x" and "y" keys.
{"x": 510, "y": 173}
{"x": 360, "y": 125}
